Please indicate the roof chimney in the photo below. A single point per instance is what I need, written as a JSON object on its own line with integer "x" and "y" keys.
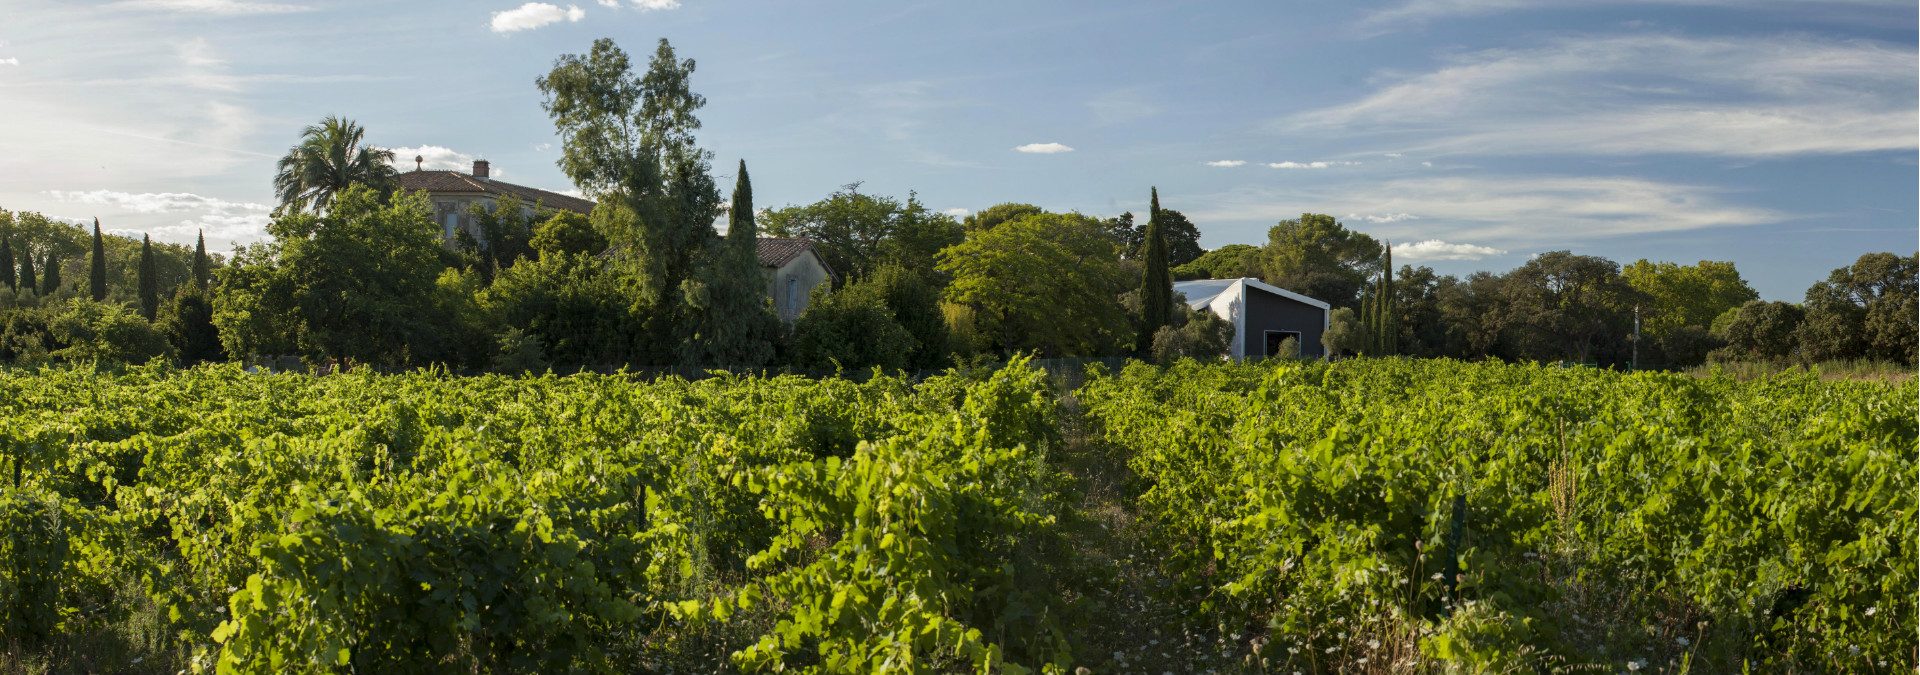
{"x": 479, "y": 168}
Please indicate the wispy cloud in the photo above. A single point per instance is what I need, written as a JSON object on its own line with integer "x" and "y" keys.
{"x": 1382, "y": 218}
{"x": 1043, "y": 148}
{"x": 221, "y": 219}
{"x": 1227, "y": 162}
{"x": 1434, "y": 249}
{"x": 534, "y": 15}
{"x": 215, "y": 7}
{"x": 1309, "y": 165}
{"x": 1421, "y": 11}
{"x": 1759, "y": 96}
{"x": 10, "y": 61}
{"x": 1500, "y": 209}
{"x": 958, "y": 212}
{"x": 153, "y": 202}
{"x": 651, "y": 5}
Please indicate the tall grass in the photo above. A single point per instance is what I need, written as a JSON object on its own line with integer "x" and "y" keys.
{"x": 1850, "y": 369}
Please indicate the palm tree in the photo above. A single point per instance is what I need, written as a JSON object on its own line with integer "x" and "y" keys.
{"x": 329, "y": 158}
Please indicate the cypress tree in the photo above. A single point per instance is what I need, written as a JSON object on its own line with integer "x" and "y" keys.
{"x": 1390, "y": 333}
{"x": 742, "y": 231}
{"x": 149, "y": 286}
{"x": 50, "y": 275}
{"x": 28, "y": 280}
{"x": 1156, "y": 285}
{"x": 97, "y": 278}
{"x": 200, "y": 260}
{"x": 6, "y": 254}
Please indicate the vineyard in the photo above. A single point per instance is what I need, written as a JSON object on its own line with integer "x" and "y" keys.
{"x": 1365, "y": 516}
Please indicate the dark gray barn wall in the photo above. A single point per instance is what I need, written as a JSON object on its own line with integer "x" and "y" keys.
{"x": 1266, "y": 311}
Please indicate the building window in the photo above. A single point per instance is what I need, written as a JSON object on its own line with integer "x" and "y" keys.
{"x": 1275, "y": 337}
{"x": 793, "y": 296}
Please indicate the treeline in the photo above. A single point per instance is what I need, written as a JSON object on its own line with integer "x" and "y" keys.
{"x": 357, "y": 273}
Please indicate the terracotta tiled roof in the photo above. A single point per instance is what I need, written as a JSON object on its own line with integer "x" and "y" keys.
{"x": 777, "y": 251}
{"x": 454, "y": 181}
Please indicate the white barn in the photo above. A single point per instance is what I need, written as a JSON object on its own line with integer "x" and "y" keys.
{"x": 1262, "y": 314}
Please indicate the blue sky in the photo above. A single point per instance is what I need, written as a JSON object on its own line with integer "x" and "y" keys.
{"x": 1473, "y": 133}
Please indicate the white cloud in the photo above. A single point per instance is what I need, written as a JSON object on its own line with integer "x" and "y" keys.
{"x": 1419, "y": 11}
{"x": 1434, "y": 249}
{"x": 1227, "y": 162}
{"x": 1645, "y": 94}
{"x": 1043, "y": 148}
{"x": 1394, "y": 155}
{"x": 1385, "y": 218}
{"x": 534, "y": 15}
{"x": 1309, "y": 165}
{"x": 216, "y": 7}
{"x": 958, "y": 212}
{"x": 1500, "y": 209}
{"x": 153, "y": 202}
{"x": 221, "y": 219}
{"x": 610, "y": 4}
{"x": 436, "y": 158}
{"x": 650, "y": 5}
{"x": 10, "y": 61}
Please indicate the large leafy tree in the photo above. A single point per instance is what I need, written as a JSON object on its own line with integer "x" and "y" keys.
{"x": 1232, "y": 261}
{"x": 1565, "y": 306}
{"x": 1865, "y": 310}
{"x": 358, "y": 282}
{"x": 1685, "y": 295}
{"x": 730, "y": 316}
{"x": 1759, "y": 329}
{"x": 1318, "y": 257}
{"x": 858, "y": 233}
{"x": 992, "y": 216}
{"x": 628, "y": 140}
{"x": 331, "y": 156}
{"x": 1182, "y": 237}
{"x": 1049, "y": 283}
{"x": 1474, "y": 313}
{"x": 6, "y": 262}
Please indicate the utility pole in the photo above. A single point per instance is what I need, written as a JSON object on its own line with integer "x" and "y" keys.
{"x": 1635, "y": 364}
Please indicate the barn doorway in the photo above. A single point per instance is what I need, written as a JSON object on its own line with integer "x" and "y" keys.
{"x": 1275, "y": 337}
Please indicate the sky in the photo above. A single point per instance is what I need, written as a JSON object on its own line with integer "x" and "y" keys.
{"x": 1473, "y": 134}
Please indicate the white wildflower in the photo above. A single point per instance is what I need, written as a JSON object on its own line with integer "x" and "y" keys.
{"x": 1872, "y": 610}
{"x": 1636, "y": 664}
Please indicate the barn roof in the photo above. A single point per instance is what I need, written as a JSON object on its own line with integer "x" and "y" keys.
{"x": 1201, "y": 292}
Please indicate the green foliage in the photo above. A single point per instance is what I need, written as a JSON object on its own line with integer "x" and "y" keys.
{"x": 992, "y": 216}
{"x": 730, "y": 319}
{"x": 331, "y": 157}
{"x": 574, "y": 304}
{"x": 567, "y": 232}
{"x": 914, "y": 299}
{"x": 1048, "y": 283}
{"x": 1685, "y": 295}
{"x": 1565, "y": 306}
{"x": 1759, "y": 330}
{"x": 422, "y": 523}
{"x": 357, "y": 283}
{"x": 106, "y": 333}
{"x": 187, "y": 322}
{"x": 858, "y": 233}
{"x": 149, "y": 281}
{"x": 1320, "y": 258}
{"x": 1232, "y": 261}
{"x": 8, "y": 275}
{"x": 50, "y": 277}
{"x": 1346, "y": 334}
{"x": 97, "y": 266}
{"x": 1182, "y": 237}
{"x": 201, "y": 266}
{"x": 1192, "y": 335}
{"x": 1602, "y": 518}
{"x": 851, "y": 328}
{"x": 29, "y": 281}
{"x": 1156, "y": 285}
{"x": 1865, "y": 310}
{"x": 519, "y": 352}
{"x": 500, "y": 235}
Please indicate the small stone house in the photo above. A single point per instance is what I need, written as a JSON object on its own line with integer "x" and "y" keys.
{"x": 794, "y": 269}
